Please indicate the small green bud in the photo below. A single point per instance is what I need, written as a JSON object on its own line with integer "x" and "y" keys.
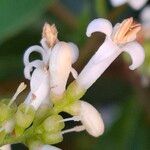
{"x": 73, "y": 108}
{"x": 2, "y": 135}
{"x": 24, "y": 116}
{"x": 74, "y": 92}
{"x": 6, "y": 111}
{"x": 53, "y": 124}
{"x": 53, "y": 138}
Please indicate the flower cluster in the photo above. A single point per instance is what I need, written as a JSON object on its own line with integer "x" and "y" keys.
{"x": 36, "y": 122}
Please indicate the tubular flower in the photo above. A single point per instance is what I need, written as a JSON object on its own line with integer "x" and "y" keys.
{"x": 62, "y": 57}
{"x": 133, "y": 3}
{"x": 119, "y": 39}
{"x": 39, "y": 84}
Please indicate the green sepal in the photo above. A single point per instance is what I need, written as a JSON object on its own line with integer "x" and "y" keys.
{"x": 53, "y": 124}
{"x": 19, "y": 130}
{"x": 53, "y": 138}
{"x": 24, "y": 116}
{"x": 74, "y": 92}
{"x": 6, "y": 111}
{"x": 2, "y": 136}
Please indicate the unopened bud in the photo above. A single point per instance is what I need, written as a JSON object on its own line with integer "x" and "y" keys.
{"x": 53, "y": 124}
{"x": 24, "y": 116}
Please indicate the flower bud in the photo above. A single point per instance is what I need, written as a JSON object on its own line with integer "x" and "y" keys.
{"x": 24, "y": 116}
{"x": 53, "y": 124}
{"x": 53, "y": 138}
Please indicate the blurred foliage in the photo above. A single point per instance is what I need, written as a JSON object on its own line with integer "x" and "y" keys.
{"x": 21, "y": 24}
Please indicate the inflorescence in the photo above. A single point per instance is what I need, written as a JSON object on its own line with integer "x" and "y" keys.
{"x": 36, "y": 122}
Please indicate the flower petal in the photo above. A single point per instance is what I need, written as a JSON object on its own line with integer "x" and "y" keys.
{"x": 91, "y": 119}
{"x": 137, "y": 4}
{"x": 136, "y": 52}
{"x": 31, "y": 49}
{"x": 39, "y": 77}
{"x": 61, "y": 59}
{"x": 28, "y": 68}
{"x": 100, "y": 61}
{"x": 40, "y": 88}
{"x": 99, "y": 25}
{"x": 117, "y": 3}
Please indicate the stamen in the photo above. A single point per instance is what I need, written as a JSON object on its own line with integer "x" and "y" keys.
{"x": 75, "y": 118}
{"x": 21, "y": 87}
{"x": 75, "y": 129}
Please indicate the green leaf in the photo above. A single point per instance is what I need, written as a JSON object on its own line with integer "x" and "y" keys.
{"x": 16, "y": 14}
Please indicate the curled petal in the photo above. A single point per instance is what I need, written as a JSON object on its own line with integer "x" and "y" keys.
{"x": 91, "y": 119}
{"x": 35, "y": 48}
{"x": 117, "y": 3}
{"x": 137, "y": 4}
{"x": 28, "y": 68}
{"x": 136, "y": 52}
{"x": 39, "y": 77}
{"x": 99, "y": 25}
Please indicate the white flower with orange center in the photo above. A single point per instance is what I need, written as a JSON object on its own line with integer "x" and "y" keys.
{"x": 121, "y": 38}
{"x": 135, "y": 4}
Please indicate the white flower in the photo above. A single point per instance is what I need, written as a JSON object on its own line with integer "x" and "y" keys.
{"x": 6, "y": 147}
{"x": 63, "y": 55}
{"x": 135, "y": 4}
{"x": 145, "y": 19}
{"x": 118, "y": 39}
{"x": 90, "y": 118}
{"x": 40, "y": 88}
{"x": 39, "y": 84}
